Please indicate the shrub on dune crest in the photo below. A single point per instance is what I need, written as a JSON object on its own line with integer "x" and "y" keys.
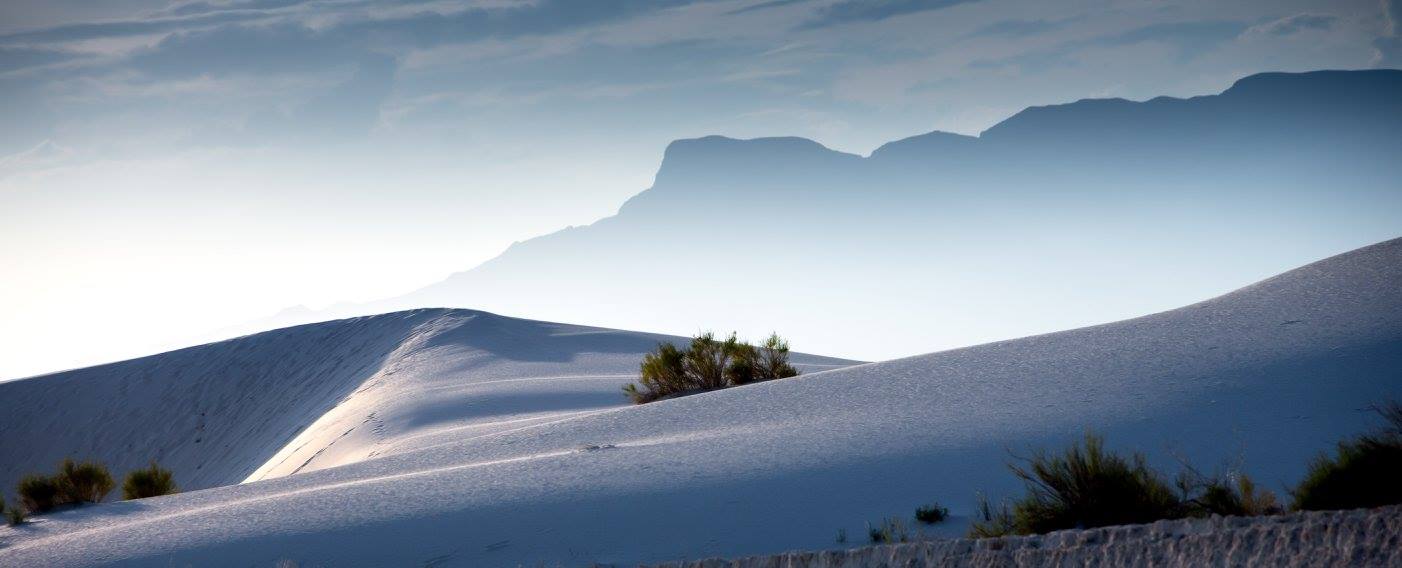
{"x": 708, "y": 364}
{"x": 150, "y": 481}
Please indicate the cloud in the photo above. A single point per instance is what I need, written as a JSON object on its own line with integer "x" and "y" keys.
{"x": 854, "y": 11}
{"x": 16, "y": 58}
{"x": 1190, "y": 38}
{"x": 765, "y": 6}
{"x": 1388, "y": 47}
{"x": 1018, "y": 28}
{"x": 125, "y": 28}
{"x": 1290, "y": 25}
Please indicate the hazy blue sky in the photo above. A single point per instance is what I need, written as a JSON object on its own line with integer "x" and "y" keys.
{"x": 168, "y": 168}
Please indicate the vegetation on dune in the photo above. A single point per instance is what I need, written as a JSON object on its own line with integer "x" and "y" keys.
{"x": 890, "y": 530}
{"x": 75, "y": 483}
{"x": 1087, "y": 486}
{"x": 38, "y": 493}
{"x": 146, "y": 482}
{"x": 709, "y": 364}
{"x": 931, "y": 514}
{"x": 86, "y": 482}
{"x": 13, "y": 515}
{"x": 1363, "y": 472}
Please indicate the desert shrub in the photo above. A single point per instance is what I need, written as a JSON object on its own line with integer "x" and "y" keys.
{"x": 888, "y": 531}
{"x": 13, "y": 515}
{"x": 744, "y": 363}
{"x": 706, "y": 360}
{"x": 708, "y": 364}
{"x": 931, "y": 514}
{"x": 1087, "y": 486}
{"x": 662, "y": 373}
{"x": 38, "y": 493}
{"x": 86, "y": 482}
{"x": 992, "y": 521}
{"x": 774, "y": 359}
{"x": 148, "y": 482}
{"x": 1363, "y": 472}
{"x": 1234, "y": 494}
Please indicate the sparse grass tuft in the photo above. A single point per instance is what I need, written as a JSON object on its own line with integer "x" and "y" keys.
{"x": 148, "y": 482}
{"x": 1234, "y": 495}
{"x": 890, "y": 530}
{"x": 992, "y": 521}
{"x": 14, "y": 516}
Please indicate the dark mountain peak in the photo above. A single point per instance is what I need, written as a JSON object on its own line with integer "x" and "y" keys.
{"x": 1317, "y": 83}
{"x": 724, "y": 152}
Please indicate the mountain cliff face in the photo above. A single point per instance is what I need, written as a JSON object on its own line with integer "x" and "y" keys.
{"x": 1060, "y": 216}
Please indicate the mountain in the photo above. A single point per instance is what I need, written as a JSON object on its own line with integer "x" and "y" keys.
{"x": 1259, "y": 380}
{"x": 319, "y": 395}
{"x": 1058, "y": 217}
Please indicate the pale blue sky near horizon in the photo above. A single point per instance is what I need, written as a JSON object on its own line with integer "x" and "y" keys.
{"x": 169, "y": 168}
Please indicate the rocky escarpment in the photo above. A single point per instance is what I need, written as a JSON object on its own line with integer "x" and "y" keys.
{"x": 1365, "y": 537}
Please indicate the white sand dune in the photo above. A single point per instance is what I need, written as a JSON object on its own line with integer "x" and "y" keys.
{"x": 320, "y": 395}
{"x": 478, "y": 468}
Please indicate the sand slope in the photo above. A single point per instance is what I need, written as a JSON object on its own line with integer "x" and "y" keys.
{"x": 1268, "y": 376}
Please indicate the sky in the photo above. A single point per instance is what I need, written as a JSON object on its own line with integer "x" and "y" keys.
{"x": 171, "y": 169}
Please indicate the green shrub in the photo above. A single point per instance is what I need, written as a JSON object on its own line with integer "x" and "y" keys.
{"x": 889, "y": 531}
{"x": 744, "y": 362}
{"x": 1086, "y": 487}
{"x": 931, "y": 514}
{"x": 38, "y": 493}
{"x": 774, "y": 359}
{"x": 991, "y": 522}
{"x": 662, "y": 373}
{"x": 148, "y": 482}
{"x": 706, "y": 361}
{"x": 86, "y": 482}
{"x": 708, "y": 364}
{"x": 1363, "y": 472}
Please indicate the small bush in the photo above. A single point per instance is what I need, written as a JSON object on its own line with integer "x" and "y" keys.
{"x": 889, "y": 531}
{"x": 148, "y": 482}
{"x": 991, "y": 522}
{"x": 1363, "y": 472}
{"x": 1087, "y": 487}
{"x": 86, "y": 482}
{"x": 38, "y": 493}
{"x": 1233, "y": 495}
{"x": 708, "y": 364}
{"x": 931, "y": 514}
{"x": 774, "y": 359}
{"x": 14, "y": 516}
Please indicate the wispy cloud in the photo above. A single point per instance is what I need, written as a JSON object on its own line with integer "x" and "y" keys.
{"x": 854, "y": 11}
{"x": 1290, "y": 25}
{"x": 765, "y": 6}
{"x": 1019, "y": 28}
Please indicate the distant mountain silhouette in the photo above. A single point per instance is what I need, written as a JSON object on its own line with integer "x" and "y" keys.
{"x": 1059, "y": 216}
